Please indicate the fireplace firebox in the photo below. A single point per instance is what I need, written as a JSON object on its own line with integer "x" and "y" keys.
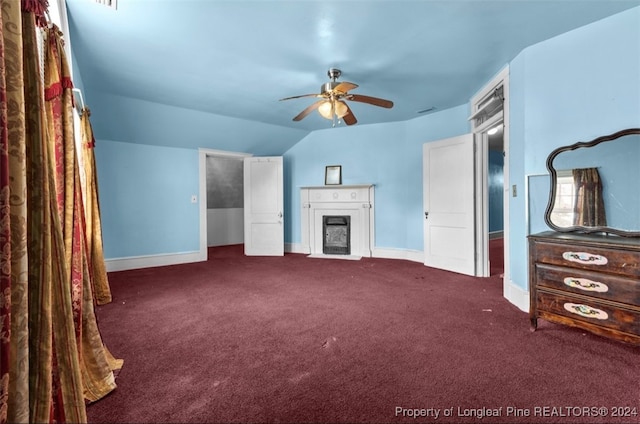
{"x": 337, "y": 235}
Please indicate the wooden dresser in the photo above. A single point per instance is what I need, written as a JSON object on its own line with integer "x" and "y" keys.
{"x": 587, "y": 281}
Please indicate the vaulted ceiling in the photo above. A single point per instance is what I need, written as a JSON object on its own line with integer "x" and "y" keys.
{"x": 237, "y": 58}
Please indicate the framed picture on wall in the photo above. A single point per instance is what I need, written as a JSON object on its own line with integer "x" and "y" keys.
{"x": 333, "y": 175}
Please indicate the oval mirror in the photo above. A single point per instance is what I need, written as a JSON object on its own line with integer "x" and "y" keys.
{"x": 595, "y": 186}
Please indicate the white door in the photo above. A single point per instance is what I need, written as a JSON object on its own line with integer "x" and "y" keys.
{"x": 263, "y": 206}
{"x": 448, "y": 184}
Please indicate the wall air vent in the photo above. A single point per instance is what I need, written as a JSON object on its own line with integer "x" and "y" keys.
{"x": 110, "y": 3}
{"x": 431, "y": 109}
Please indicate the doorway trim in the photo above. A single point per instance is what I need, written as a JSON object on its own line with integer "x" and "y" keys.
{"x": 482, "y": 201}
{"x": 202, "y": 190}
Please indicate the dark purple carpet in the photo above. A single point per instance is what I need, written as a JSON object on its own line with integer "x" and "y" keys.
{"x": 496, "y": 256}
{"x": 295, "y": 339}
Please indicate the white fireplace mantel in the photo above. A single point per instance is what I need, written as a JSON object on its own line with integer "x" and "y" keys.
{"x": 356, "y": 201}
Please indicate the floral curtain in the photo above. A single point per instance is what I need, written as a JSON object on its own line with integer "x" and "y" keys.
{"x": 102, "y": 291}
{"x": 52, "y": 359}
{"x": 589, "y": 206}
{"x": 14, "y": 296}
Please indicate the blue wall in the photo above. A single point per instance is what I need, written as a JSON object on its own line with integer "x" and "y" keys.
{"x": 574, "y": 87}
{"x": 145, "y": 199}
{"x": 138, "y": 121}
{"x": 387, "y": 155}
{"x": 148, "y": 164}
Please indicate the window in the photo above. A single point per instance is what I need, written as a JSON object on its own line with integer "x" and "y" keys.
{"x": 563, "y": 213}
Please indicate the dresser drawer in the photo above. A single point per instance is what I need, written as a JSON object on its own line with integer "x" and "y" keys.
{"x": 590, "y": 311}
{"x": 600, "y": 259}
{"x": 588, "y": 283}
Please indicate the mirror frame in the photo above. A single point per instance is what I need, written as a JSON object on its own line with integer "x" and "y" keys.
{"x": 554, "y": 178}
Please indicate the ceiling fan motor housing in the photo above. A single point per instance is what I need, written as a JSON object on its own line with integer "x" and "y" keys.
{"x": 328, "y": 87}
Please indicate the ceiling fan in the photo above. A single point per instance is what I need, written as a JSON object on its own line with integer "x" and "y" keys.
{"x": 332, "y": 104}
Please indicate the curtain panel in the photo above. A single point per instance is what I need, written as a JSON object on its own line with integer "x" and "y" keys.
{"x": 14, "y": 301}
{"x": 93, "y": 222}
{"x": 52, "y": 358}
{"x": 589, "y": 205}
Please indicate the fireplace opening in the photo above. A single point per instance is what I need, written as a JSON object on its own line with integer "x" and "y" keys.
{"x": 337, "y": 235}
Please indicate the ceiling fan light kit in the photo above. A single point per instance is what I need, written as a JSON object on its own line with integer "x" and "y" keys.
{"x": 329, "y": 108}
{"x": 333, "y": 97}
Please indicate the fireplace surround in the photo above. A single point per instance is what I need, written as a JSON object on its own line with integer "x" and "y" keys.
{"x": 351, "y": 203}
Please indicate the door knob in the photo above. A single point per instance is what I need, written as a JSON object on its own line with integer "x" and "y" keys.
{"x": 426, "y": 215}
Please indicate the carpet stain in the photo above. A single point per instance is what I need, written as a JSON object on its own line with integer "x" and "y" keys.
{"x": 298, "y": 378}
{"x": 329, "y": 342}
{"x": 217, "y": 383}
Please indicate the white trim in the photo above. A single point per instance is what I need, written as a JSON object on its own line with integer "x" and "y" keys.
{"x": 356, "y": 201}
{"x": 489, "y": 123}
{"x": 149, "y": 261}
{"x": 507, "y": 188}
{"x": 527, "y": 198}
{"x": 295, "y": 248}
{"x": 481, "y": 150}
{"x": 502, "y": 78}
{"x": 516, "y": 296}
{"x": 405, "y": 254}
{"x": 223, "y": 153}
{"x": 58, "y": 13}
{"x": 340, "y": 257}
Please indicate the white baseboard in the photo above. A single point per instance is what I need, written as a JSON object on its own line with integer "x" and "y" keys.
{"x": 136, "y": 262}
{"x": 512, "y": 292}
{"x": 409, "y": 255}
{"x": 295, "y": 248}
{"x": 516, "y": 295}
{"x": 342, "y": 257}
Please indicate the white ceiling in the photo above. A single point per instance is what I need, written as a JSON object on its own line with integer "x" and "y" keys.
{"x": 238, "y": 58}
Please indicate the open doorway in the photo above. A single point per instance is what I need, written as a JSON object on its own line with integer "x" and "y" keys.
{"x": 490, "y": 123}
{"x": 495, "y": 206}
{"x": 225, "y": 200}
{"x": 221, "y": 212}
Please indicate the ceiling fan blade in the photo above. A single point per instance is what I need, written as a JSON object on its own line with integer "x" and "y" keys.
{"x": 345, "y": 86}
{"x": 308, "y": 110}
{"x": 349, "y": 118}
{"x": 303, "y": 95}
{"x": 371, "y": 100}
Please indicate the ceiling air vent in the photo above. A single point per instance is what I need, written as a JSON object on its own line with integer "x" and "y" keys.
{"x": 110, "y": 3}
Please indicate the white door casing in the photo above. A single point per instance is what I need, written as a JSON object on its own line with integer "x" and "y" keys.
{"x": 448, "y": 184}
{"x": 263, "y": 206}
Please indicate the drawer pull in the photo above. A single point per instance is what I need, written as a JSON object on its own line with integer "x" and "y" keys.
{"x": 586, "y": 311}
{"x": 586, "y": 285}
{"x": 585, "y": 258}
